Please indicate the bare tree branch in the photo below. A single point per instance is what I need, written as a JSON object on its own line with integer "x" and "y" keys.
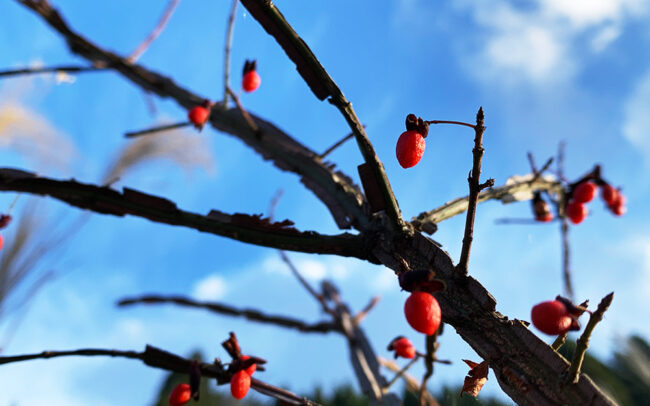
{"x": 164, "y": 19}
{"x": 426, "y": 221}
{"x": 222, "y": 308}
{"x": 226, "y": 52}
{"x": 157, "y": 358}
{"x": 50, "y": 69}
{"x": 241, "y": 227}
{"x": 333, "y": 188}
{"x": 323, "y": 87}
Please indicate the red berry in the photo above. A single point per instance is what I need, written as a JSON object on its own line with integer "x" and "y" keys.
{"x": 410, "y": 147}
{"x": 576, "y": 212}
{"x": 422, "y": 312}
{"x": 618, "y": 205}
{"x": 2, "y": 241}
{"x": 251, "y": 369}
{"x": 240, "y": 384}
{"x": 610, "y": 194}
{"x": 404, "y": 348}
{"x": 180, "y": 395}
{"x": 198, "y": 115}
{"x": 551, "y": 317}
{"x": 251, "y": 81}
{"x": 585, "y": 192}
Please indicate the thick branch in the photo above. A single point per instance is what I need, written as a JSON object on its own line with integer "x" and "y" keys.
{"x": 426, "y": 221}
{"x": 323, "y": 86}
{"x": 250, "y": 314}
{"x": 241, "y": 227}
{"x": 157, "y": 358}
{"x": 333, "y": 188}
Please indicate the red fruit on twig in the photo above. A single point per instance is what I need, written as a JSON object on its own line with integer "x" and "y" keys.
{"x": 2, "y": 241}
{"x": 198, "y": 116}
{"x": 609, "y": 194}
{"x": 402, "y": 347}
{"x": 545, "y": 218}
{"x": 618, "y": 205}
{"x": 585, "y": 192}
{"x": 422, "y": 312}
{"x": 551, "y": 317}
{"x": 576, "y": 212}
{"x": 251, "y": 79}
{"x": 251, "y": 369}
{"x": 180, "y": 395}
{"x": 410, "y": 147}
{"x": 240, "y": 384}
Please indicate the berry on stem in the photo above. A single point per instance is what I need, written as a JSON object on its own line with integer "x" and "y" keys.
{"x": 403, "y": 348}
{"x": 551, "y": 317}
{"x": 410, "y": 147}
{"x": 180, "y": 395}
{"x": 198, "y": 116}
{"x": 240, "y": 384}
{"x": 610, "y": 194}
{"x": 251, "y": 79}
{"x": 576, "y": 212}
{"x": 251, "y": 369}
{"x": 618, "y": 205}
{"x": 585, "y": 192}
{"x": 422, "y": 312}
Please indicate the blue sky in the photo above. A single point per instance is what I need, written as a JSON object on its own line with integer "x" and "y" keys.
{"x": 544, "y": 72}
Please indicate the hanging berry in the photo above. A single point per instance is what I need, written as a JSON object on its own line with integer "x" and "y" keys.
{"x": 180, "y": 395}
{"x": 541, "y": 209}
{"x": 240, "y": 384}
{"x": 251, "y": 80}
{"x": 576, "y": 212}
{"x": 411, "y": 144}
{"x": 422, "y": 312}
{"x": 402, "y": 347}
{"x": 585, "y": 192}
{"x": 610, "y": 194}
{"x": 199, "y": 115}
{"x": 551, "y": 317}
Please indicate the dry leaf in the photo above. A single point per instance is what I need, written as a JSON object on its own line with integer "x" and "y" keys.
{"x": 475, "y": 379}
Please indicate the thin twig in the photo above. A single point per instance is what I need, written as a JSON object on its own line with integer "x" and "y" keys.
{"x": 169, "y": 10}
{"x": 50, "y": 69}
{"x": 583, "y": 342}
{"x": 559, "y": 341}
{"x": 472, "y": 126}
{"x": 221, "y": 308}
{"x": 364, "y": 312}
{"x": 526, "y": 221}
{"x": 474, "y": 190}
{"x": 242, "y": 110}
{"x": 432, "y": 345}
{"x": 402, "y": 371}
{"x": 226, "y": 56}
{"x": 564, "y": 229}
{"x": 157, "y": 129}
{"x": 157, "y": 358}
{"x": 319, "y": 298}
{"x": 412, "y": 384}
{"x": 337, "y": 144}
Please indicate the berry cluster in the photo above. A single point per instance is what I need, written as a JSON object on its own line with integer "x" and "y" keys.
{"x": 557, "y": 316}
{"x": 585, "y": 191}
{"x": 402, "y": 347}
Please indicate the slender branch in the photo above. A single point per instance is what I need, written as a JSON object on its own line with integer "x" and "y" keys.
{"x": 241, "y": 227}
{"x": 472, "y": 126}
{"x": 474, "y": 190}
{"x": 583, "y": 342}
{"x": 402, "y": 371}
{"x": 323, "y": 87}
{"x": 319, "y": 298}
{"x": 559, "y": 341}
{"x": 157, "y": 358}
{"x": 164, "y": 19}
{"x": 364, "y": 312}
{"x": 431, "y": 345}
{"x": 50, "y": 69}
{"x": 564, "y": 229}
{"x": 226, "y": 52}
{"x": 337, "y": 144}
{"x": 157, "y": 129}
{"x": 426, "y": 221}
{"x": 337, "y": 191}
{"x": 221, "y": 308}
{"x": 412, "y": 384}
{"x": 249, "y": 120}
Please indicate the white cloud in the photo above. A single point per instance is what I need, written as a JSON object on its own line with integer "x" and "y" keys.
{"x": 212, "y": 287}
{"x": 637, "y": 119}
{"x": 542, "y": 42}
